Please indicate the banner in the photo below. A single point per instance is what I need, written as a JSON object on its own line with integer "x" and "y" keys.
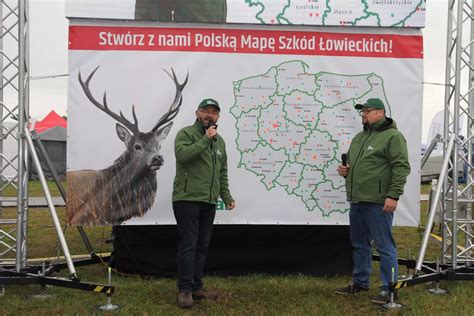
{"x": 378, "y": 13}
{"x": 287, "y": 114}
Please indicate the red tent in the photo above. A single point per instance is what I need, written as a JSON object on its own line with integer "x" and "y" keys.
{"x": 51, "y": 120}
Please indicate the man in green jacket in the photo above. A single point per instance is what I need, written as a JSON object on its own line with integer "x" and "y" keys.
{"x": 201, "y": 177}
{"x": 376, "y": 172}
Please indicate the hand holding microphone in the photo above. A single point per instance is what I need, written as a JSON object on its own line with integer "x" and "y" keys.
{"x": 211, "y": 132}
{"x": 343, "y": 169}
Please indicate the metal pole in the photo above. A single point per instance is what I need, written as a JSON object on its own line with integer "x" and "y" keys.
{"x": 450, "y": 41}
{"x": 469, "y": 173}
{"x": 457, "y": 100}
{"x": 469, "y": 142}
{"x": 22, "y": 194}
{"x": 428, "y": 152}
{"x": 44, "y": 154}
{"x": 50, "y": 166}
{"x": 429, "y": 225}
{"x": 1, "y": 110}
{"x": 49, "y": 200}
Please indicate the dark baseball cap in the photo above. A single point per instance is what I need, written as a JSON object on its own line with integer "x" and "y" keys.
{"x": 371, "y": 103}
{"x": 209, "y": 102}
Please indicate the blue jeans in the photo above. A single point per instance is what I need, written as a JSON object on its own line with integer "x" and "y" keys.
{"x": 194, "y": 221}
{"x": 369, "y": 222}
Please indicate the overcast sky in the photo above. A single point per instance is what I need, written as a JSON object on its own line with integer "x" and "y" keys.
{"x": 48, "y": 56}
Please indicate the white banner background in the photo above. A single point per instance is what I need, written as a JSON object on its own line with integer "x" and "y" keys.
{"x": 136, "y": 77}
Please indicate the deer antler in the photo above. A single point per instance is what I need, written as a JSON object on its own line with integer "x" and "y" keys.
{"x": 133, "y": 127}
{"x": 178, "y": 99}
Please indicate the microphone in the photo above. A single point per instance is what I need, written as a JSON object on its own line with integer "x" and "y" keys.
{"x": 344, "y": 160}
{"x": 212, "y": 124}
{"x": 214, "y": 139}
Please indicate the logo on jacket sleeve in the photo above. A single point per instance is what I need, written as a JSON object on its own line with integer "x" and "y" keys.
{"x": 218, "y": 152}
{"x": 370, "y": 147}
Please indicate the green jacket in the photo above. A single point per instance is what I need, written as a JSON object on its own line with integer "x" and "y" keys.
{"x": 211, "y": 11}
{"x": 201, "y": 167}
{"x": 378, "y": 161}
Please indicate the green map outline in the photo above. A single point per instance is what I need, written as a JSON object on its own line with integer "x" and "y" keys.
{"x": 263, "y": 143}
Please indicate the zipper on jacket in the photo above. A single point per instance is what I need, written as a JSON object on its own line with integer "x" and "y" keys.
{"x": 355, "y": 161}
{"x": 185, "y": 182}
{"x": 380, "y": 185}
{"x": 213, "y": 171}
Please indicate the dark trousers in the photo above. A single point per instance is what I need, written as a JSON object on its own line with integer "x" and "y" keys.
{"x": 194, "y": 221}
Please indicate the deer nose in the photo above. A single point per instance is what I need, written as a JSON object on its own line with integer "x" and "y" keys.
{"x": 157, "y": 161}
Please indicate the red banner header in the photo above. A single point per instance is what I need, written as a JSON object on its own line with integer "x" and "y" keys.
{"x": 243, "y": 41}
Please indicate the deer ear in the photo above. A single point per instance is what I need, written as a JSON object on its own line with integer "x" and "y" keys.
{"x": 123, "y": 133}
{"x": 163, "y": 132}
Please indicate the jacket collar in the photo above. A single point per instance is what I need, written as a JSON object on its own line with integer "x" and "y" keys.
{"x": 198, "y": 125}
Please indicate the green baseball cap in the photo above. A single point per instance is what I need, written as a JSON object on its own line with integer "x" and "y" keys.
{"x": 209, "y": 102}
{"x": 371, "y": 103}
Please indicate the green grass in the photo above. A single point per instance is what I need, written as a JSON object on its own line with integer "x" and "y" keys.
{"x": 34, "y": 189}
{"x": 254, "y": 294}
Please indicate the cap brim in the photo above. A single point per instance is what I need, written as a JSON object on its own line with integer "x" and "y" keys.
{"x": 359, "y": 106}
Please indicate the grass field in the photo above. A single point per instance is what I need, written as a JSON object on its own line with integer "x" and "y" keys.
{"x": 254, "y": 294}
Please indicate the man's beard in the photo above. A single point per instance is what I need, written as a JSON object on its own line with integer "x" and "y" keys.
{"x": 207, "y": 123}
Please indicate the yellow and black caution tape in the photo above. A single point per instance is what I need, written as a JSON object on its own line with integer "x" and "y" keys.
{"x": 440, "y": 239}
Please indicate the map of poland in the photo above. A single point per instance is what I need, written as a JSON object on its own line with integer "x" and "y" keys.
{"x": 292, "y": 127}
{"x": 393, "y": 13}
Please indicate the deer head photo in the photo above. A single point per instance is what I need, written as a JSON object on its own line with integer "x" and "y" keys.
{"x": 128, "y": 187}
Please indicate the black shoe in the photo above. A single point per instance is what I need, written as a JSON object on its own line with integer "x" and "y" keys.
{"x": 351, "y": 289}
{"x": 383, "y": 297}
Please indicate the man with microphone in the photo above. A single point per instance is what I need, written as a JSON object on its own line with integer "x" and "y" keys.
{"x": 375, "y": 168}
{"x": 201, "y": 177}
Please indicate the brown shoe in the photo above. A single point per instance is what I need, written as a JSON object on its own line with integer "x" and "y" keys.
{"x": 185, "y": 300}
{"x": 204, "y": 294}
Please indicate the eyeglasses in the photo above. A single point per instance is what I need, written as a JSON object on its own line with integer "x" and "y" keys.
{"x": 365, "y": 111}
{"x": 210, "y": 112}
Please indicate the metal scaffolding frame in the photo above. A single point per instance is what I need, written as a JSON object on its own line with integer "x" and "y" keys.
{"x": 453, "y": 198}
{"x": 14, "y": 106}
{"x": 14, "y": 100}
{"x": 457, "y": 223}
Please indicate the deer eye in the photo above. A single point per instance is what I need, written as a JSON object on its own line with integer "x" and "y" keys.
{"x": 137, "y": 147}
